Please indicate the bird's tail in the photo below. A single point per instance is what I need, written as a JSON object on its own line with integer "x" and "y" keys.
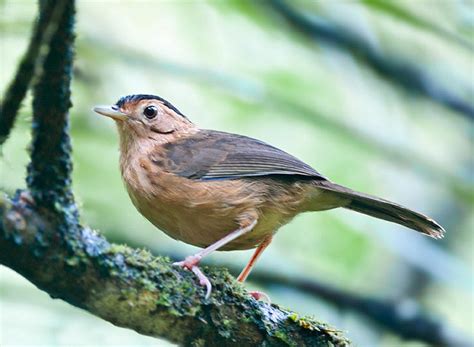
{"x": 383, "y": 209}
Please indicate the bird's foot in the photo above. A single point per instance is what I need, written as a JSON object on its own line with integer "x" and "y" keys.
{"x": 191, "y": 263}
{"x": 188, "y": 263}
{"x": 260, "y": 296}
{"x": 26, "y": 198}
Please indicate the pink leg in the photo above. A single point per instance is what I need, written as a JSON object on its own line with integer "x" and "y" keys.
{"x": 258, "y": 252}
{"x": 192, "y": 261}
{"x": 246, "y": 271}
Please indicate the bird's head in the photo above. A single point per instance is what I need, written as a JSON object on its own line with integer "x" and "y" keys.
{"x": 143, "y": 116}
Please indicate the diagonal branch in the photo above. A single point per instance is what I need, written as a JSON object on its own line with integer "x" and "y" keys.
{"x": 44, "y": 29}
{"x": 396, "y": 10}
{"x": 404, "y": 74}
{"x": 131, "y": 288}
{"x": 404, "y": 318}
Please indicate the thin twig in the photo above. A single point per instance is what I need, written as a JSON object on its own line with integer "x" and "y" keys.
{"x": 44, "y": 29}
{"x": 397, "y": 11}
{"x": 402, "y": 73}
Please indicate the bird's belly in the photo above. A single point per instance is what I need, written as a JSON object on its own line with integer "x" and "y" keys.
{"x": 203, "y": 228}
{"x": 200, "y": 213}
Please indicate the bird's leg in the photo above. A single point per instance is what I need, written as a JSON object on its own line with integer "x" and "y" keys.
{"x": 192, "y": 261}
{"x": 246, "y": 271}
{"x": 258, "y": 252}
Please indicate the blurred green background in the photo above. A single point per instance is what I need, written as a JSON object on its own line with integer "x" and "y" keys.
{"x": 237, "y": 66}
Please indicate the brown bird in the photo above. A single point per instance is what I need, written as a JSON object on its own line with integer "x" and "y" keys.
{"x": 223, "y": 191}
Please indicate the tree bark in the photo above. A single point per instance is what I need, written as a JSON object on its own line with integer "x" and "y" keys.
{"x": 131, "y": 288}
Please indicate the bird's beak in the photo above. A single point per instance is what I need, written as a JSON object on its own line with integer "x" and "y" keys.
{"x": 111, "y": 111}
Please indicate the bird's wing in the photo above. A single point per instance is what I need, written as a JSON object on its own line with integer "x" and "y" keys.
{"x": 210, "y": 155}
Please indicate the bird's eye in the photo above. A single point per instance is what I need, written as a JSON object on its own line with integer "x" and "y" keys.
{"x": 150, "y": 112}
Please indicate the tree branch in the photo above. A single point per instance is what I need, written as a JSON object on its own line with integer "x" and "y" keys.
{"x": 133, "y": 289}
{"x": 404, "y": 318}
{"x": 404, "y": 74}
{"x": 49, "y": 172}
{"x": 396, "y": 10}
{"x": 44, "y": 28}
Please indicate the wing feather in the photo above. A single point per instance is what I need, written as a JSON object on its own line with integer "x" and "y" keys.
{"x": 209, "y": 155}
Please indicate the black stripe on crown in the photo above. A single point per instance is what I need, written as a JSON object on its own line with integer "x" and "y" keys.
{"x": 137, "y": 97}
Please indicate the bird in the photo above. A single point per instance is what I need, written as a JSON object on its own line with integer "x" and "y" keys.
{"x": 221, "y": 191}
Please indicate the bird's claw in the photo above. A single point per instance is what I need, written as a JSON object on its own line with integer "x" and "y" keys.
{"x": 26, "y": 198}
{"x": 203, "y": 280}
{"x": 260, "y": 296}
{"x": 190, "y": 263}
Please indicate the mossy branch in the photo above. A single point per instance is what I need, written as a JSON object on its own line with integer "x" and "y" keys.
{"x": 390, "y": 314}
{"x": 49, "y": 172}
{"x": 131, "y": 288}
{"x": 415, "y": 324}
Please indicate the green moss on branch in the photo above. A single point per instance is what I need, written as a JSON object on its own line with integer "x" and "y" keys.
{"x": 132, "y": 288}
